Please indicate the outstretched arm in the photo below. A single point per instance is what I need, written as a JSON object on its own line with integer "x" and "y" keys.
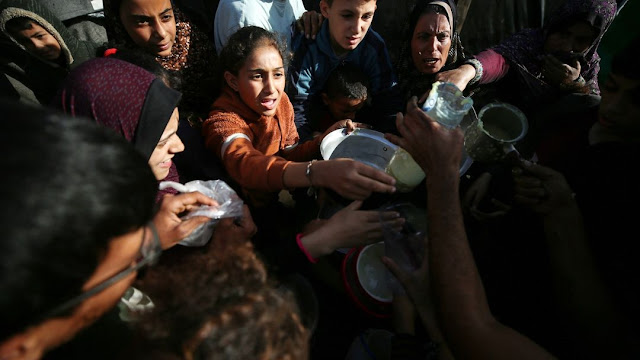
{"x": 469, "y": 328}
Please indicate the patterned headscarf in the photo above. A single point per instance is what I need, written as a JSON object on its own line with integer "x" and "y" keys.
{"x": 413, "y": 82}
{"x": 123, "y": 97}
{"x": 525, "y": 48}
{"x": 192, "y": 56}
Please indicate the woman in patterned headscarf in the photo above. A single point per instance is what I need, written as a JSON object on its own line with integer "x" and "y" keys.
{"x": 537, "y": 66}
{"x": 131, "y": 101}
{"x": 431, "y": 45}
{"x": 161, "y": 29}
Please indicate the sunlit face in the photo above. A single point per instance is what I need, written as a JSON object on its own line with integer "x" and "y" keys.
{"x": 260, "y": 82}
{"x": 39, "y": 42}
{"x": 576, "y": 38}
{"x": 349, "y": 21}
{"x": 150, "y": 24}
{"x": 620, "y": 106}
{"x": 343, "y": 107}
{"x": 169, "y": 145}
{"x": 430, "y": 43}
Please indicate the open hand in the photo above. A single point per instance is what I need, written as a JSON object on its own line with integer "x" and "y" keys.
{"x": 432, "y": 146}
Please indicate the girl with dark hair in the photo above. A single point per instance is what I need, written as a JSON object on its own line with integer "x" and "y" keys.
{"x": 251, "y": 128}
{"x": 431, "y": 45}
{"x": 162, "y": 29}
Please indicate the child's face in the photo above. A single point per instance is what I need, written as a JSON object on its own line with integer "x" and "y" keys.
{"x": 260, "y": 81}
{"x": 150, "y": 24}
{"x": 349, "y": 21}
{"x": 342, "y": 107}
{"x": 39, "y": 42}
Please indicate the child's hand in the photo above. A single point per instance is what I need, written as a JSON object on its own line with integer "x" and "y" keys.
{"x": 349, "y": 227}
{"x": 345, "y": 124}
{"x": 352, "y": 179}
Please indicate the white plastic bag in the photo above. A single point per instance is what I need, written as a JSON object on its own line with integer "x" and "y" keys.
{"x": 229, "y": 205}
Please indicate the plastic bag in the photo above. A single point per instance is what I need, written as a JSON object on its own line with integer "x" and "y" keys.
{"x": 405, "y": 247}
{"x": 229, "y": 205}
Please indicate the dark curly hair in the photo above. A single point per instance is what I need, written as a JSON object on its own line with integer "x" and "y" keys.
{"x": 244, "y": 42}
{"x": 218, "y": 303}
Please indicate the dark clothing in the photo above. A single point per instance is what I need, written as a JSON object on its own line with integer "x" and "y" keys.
{"x": 29, "y": 77}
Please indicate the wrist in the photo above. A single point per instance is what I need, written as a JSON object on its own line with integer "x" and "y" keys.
{"x": 473, "y": 71}
{"x": 314, "y": 245}
{"x": 304, "y": 247}
{"x": 309, "y": 172}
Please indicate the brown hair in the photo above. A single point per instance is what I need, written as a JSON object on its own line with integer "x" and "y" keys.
{"x": 220, "y": 301}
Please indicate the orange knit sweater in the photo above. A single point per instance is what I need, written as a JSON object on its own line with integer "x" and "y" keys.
{"x": 257, "y": 166}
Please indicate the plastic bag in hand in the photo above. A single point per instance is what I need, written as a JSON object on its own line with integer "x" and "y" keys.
{"x": 229, "y": 206}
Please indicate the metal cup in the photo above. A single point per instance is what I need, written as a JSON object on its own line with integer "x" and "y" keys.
{"x": 493, "y": 135}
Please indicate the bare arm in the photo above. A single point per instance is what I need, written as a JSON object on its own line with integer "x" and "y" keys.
{"x": 469, "y": 328}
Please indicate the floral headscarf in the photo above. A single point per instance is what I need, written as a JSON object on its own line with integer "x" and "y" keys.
{"x": 525, "y": 48}
{"x": 192, "y": 56}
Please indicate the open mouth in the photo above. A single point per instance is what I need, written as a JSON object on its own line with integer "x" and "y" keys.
{"x": 268, "y": 103}
{"x": 429, "y": 61}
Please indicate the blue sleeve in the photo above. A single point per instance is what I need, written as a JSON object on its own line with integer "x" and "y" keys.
{"x": 385, "y": 93}
{"x": 301, "y": 80}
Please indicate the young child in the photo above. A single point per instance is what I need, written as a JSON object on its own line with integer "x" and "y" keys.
{"x": 346, "y": 92}
{"x": 251, "y": 128}
{"x": 344, "y": 38}
{"x": 50, "y": 49}
{"x": 35, "y": 39}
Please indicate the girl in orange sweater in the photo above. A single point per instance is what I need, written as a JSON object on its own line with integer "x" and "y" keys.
{"x": 251, "y": 128}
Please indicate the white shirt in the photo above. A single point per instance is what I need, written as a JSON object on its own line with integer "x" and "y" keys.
{"x": 272, "y": 15}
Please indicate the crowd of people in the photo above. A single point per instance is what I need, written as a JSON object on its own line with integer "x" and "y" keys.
{"x": 527, "y": 258}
